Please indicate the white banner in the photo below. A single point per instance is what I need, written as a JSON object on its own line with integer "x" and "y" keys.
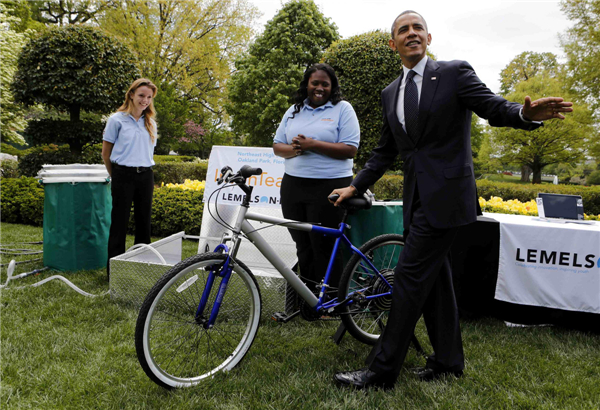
{"x": 266, "y": 186}
{"x": 549, "y": 263}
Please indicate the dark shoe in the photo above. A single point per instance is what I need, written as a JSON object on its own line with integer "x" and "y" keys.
{"x": 425, "y": 374}
{"x": 364, "y": 378}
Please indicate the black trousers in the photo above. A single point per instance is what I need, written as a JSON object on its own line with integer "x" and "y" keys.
{"x": 305, "y": 199}
{"x": 129, "y": 186}
{"x": 422, "y": 285}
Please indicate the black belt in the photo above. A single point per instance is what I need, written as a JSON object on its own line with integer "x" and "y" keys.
{"x": 138, "y": 170}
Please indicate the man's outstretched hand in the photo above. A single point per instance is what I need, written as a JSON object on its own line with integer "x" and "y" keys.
{"x": 546, "y": 108}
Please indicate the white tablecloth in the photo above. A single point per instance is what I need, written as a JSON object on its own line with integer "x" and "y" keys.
{"x": 553, "y": 264}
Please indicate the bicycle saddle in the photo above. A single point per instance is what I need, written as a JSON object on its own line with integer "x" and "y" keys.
{"x": 356, "y": 203}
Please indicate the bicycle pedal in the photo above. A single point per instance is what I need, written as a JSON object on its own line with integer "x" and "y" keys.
{"x": 281, "y": 317}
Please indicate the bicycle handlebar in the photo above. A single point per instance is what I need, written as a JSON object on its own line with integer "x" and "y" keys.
{"x": 246, "y": 171}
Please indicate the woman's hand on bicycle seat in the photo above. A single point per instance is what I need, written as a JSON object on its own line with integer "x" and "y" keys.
{"x": 343, "y": 194}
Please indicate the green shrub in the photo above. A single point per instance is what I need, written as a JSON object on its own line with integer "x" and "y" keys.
{"x": 593, "y": 178}
{"x": 9, "y": 168}
{"x": 50, "y": 131}
{"x": 22, "y": 201}
{"x": 389, "y": 187}
{"x": 31, "y": 163}
{"x": 9, "y": 149}
{"x": 175, "y": 210}
{"x": 524, "y": 193}
{"x": 178, "y": 172}
{"x": 173, "y": 158}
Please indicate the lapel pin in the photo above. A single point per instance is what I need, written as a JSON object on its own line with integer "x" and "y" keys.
{"x": 433, "y": 78}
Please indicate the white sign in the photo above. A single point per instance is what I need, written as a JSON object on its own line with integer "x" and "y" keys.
{"x": 266, "y": 186}
{"x": 550, "y": 264}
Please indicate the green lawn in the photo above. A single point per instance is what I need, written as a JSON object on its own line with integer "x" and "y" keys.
{"x": 61, "y": 350}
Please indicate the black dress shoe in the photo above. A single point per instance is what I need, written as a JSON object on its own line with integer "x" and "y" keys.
{"x": 426, "y": 374}
{"x": 364, "y": 378}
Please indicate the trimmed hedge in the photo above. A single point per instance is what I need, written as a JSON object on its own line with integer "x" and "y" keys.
{"x": 22, "y": 201}
{"x": 174, "y": 210}
{"x": 31, "y": 163}
{"x": 9, "y": 168}
{"x": 178, "y": 172}
{"x": 173, "y": 158}
{"x": 524, "y": 193}
{"x": 389, "y": 187}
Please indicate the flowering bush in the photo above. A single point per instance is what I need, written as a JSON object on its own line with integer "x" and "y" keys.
{"x": 514, "y": 206}
{"x": 187, "y": 184}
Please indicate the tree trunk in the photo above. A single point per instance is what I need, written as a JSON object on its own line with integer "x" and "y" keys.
{"x": 525, "y": 173}
{"x": 537, "y": 175}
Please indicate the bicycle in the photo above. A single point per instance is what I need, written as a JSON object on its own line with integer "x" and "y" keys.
{"x": 202, "y": 316}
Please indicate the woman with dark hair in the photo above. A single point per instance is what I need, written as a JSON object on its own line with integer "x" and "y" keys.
{"x": 318, "y": 137}
{"x": 128, "y": 153}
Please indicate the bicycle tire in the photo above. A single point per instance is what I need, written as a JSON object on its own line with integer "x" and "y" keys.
{"x": 366, "y": 319}
{"x": 173, "y": 347}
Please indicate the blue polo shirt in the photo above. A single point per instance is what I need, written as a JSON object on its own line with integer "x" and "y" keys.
{"x": 132, "y": 144}
{"x": 328, "y": 123}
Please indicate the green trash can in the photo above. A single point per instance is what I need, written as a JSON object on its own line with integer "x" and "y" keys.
{"x": 383, "y": 217}
{"x": 77, "y": 207}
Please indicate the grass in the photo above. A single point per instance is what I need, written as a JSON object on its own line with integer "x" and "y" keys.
{"x": 61, "y": 350}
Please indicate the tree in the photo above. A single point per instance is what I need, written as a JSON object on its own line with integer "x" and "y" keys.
{"x": 263, "y": 87}
{"x": 555, "y": 142}
{"x": 581, "y": 44}
{"x": 65, "y": 12}
{"x": 172, "y": 112}
{"x": 74, "y": 69}
{"x": 12, "y": 119}
{"x": 524, "y": 66}
{"x": 24, "y": 16}
{"x": 187, "y": 45}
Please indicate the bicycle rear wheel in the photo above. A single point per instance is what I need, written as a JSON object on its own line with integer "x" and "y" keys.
{"x": 365, "y": 318}
{"x": 173, "y": 346}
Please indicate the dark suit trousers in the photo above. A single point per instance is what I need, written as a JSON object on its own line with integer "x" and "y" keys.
{"x": 422, "y": 285}
{"x": 129, "y": 187}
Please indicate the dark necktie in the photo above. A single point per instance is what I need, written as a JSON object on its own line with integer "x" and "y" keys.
{"x": 411, "y": 106}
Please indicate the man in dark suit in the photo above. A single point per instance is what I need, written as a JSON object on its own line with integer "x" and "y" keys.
{"x": 427, "y": 121}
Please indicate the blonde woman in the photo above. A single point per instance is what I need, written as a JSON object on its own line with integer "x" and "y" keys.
{"x": 127, "y": 150}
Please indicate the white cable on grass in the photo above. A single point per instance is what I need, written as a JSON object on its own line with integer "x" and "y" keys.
{"x": 11, "y": 269}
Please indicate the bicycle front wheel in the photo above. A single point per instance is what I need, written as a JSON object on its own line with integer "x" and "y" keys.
{"x": 366, "y": 316}
{"x": 173, "y": 345}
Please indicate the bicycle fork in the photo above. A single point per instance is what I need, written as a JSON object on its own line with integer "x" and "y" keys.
{"x": 221, "y": 270}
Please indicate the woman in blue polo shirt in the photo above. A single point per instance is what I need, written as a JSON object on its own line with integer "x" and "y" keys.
{"x": 128, "y": 150}
{"x": 318, "y": 137}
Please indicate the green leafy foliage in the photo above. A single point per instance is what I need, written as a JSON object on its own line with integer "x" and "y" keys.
{"x": 581, "y": 44}
{"x": 175, "y": 210}
{"x": 265, "y": 81}
{"x": 172, "y": 111}
{"x": 9, "y": 168}
{"x": 22, "y": 201}
{"x": 12, "y": 41}
{"x": 31, "y": 163}
{"x": 178, "y": 172}
{"x": 557, "y": 141}
{"x": 172, "y": 158}
{"x": 190, "y": 45}
{"x": 9, "y": 149}
{"x": 525, "y": 193}
{"x": 74, "y": 133}
{"x": 74, "y": 68}
{"x": 526, "y": 65}
{"x": 593, "y": 178}
{"x": 389, "y": 187}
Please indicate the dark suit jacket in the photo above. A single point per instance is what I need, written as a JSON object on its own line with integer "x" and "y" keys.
{"x": 439, "y": 162}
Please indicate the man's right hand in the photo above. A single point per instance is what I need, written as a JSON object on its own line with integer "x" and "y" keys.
{"x": 344, "y": 194}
